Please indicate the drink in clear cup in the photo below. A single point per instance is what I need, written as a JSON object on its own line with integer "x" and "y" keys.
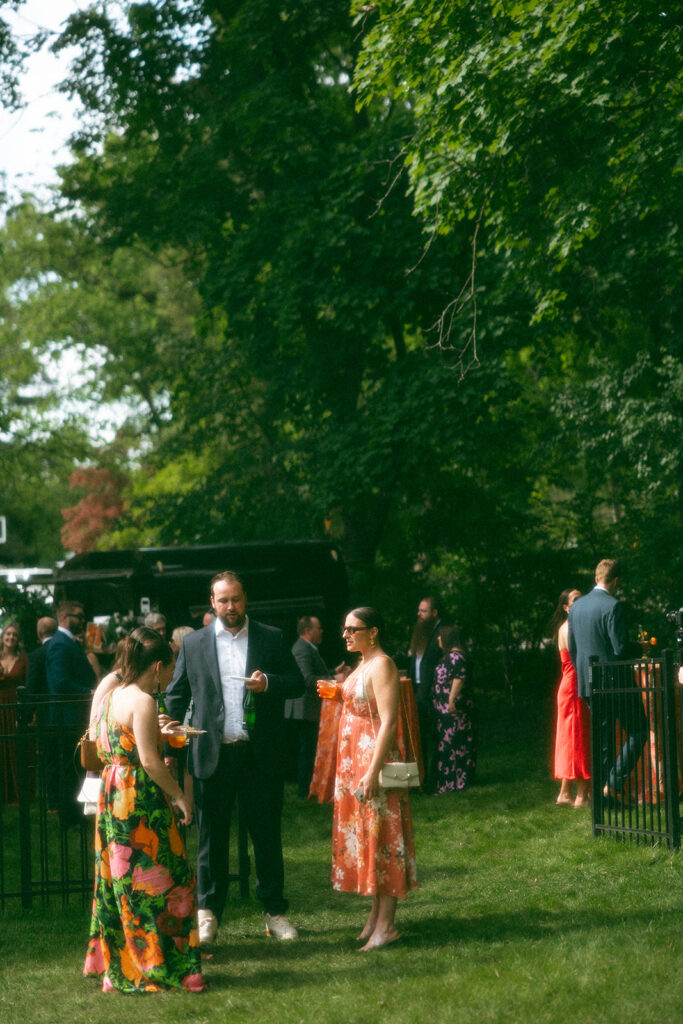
{"x": 178, "y": 740}
{"x": 327, "y": 688}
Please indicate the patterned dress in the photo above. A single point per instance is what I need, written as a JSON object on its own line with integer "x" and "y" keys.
{"x": 372, "y": 842}
{"x": 143, "y": 931}
{"x": 456, "y": 753}
{"x": 325, "y": 766}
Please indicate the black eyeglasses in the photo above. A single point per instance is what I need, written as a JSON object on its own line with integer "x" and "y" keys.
{"x": 353, "y": 629}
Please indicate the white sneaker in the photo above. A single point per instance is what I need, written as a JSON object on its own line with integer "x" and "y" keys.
{"x": 208, "y": 926}
{"x": 279, "y": 927}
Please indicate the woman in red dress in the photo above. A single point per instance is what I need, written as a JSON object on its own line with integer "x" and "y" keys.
{"x": 372, "y": 845}
{"x": 13, "y": 668}
{"x": 572, "y": 738}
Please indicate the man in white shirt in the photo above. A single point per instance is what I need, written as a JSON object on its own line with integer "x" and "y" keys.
{"x": 216, "y": 668}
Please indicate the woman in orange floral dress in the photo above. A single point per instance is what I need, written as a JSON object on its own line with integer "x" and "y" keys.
{"x": 372, "y": 847}
{"x": 143, "y": 930}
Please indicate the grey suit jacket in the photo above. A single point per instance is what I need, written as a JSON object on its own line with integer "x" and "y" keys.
{"x": 197, "y": 679}
{"x": 597, "y": 626}
{"x": 312, "y": 668}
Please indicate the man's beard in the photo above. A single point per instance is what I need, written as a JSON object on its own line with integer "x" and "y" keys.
{"x": 421, "y": 635}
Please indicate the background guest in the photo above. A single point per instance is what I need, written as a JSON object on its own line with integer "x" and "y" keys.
{"x": 597, "y": 628}
{"x": 156, "y": 621}
{"x": 93, "y": 660}
{"x": 36, "y": 679}
{"x": 572, "y": 734}
{"x": 303, "y": 712}
{"x": 425, "y": 654}
{"x": 13, "y": 669}
{"x": 36, "y": 686}
{"x": 69, "y": 676}
{"x": 455, "y": 715}
{"x": 177, "y": 637}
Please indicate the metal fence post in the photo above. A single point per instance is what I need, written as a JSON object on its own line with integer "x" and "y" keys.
{"x": 669, "y": 683}
{"x": 26, "y": 867}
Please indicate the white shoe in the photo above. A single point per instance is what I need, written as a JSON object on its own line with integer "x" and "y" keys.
{"x": 208, "y": 926}
{"x": 279, "y": 927}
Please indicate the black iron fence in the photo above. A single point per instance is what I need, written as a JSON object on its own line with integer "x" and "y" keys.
{"x": 46, "y": 839}
{"x": 635, "y": 741}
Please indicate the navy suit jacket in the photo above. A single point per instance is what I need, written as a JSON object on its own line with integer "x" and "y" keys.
{"x": 430, "y": 659}
{"x": 197, "y": 679}
{"x": 36, "y": 680}
{"x": 597, "y": 626}
{"x": 69, "y": 674}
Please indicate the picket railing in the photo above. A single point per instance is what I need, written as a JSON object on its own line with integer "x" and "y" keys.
{"x": 635, "y": 743}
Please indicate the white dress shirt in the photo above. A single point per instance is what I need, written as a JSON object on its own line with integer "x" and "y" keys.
{"x": 232, "y": 662}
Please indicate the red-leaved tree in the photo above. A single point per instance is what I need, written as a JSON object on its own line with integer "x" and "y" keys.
{"x": 94, "y": 514}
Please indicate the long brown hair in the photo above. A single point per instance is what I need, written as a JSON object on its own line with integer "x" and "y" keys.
{"x": 560, "y": 616}
{"x": 143, "y": 648}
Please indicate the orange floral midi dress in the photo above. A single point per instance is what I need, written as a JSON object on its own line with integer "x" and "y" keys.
{"x": 373, "y": 850}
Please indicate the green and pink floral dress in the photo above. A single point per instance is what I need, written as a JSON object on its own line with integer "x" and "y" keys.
{"x": 143, "y": 930}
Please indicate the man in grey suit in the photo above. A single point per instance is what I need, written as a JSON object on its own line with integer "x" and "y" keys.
{"x": 304, "y": 711}
{"x": 217, "y": 666}
{"x": 597, "y": 627}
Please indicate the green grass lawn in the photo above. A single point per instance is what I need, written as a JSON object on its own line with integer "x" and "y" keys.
{"x": 521, "y": 916}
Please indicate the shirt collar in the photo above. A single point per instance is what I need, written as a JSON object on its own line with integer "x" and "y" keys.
{"x": 220, "y": 629}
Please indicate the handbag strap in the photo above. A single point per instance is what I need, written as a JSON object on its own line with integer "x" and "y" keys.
{"x": 406, "y": 719}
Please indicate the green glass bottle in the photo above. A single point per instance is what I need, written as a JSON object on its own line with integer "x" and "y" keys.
{"x": 249, "y": 710}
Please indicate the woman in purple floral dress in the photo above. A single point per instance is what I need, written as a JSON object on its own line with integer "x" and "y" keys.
{"x": 454, "y": 713}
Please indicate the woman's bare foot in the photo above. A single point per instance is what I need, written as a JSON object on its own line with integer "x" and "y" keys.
{"x": 369, "y": 928}
{"x": 379, "y": 939}
{"x": 582, "y": 793}
{"x": 564, "y": 797}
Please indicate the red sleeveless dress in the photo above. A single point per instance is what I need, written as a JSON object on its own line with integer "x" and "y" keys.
{"x": 572, "y": 738}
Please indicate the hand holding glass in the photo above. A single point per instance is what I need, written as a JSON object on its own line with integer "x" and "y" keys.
{"x": 328, "y": 689}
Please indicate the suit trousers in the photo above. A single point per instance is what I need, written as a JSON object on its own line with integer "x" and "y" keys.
{"x": 260, "y": 789}
{"x": 619, "y": 757}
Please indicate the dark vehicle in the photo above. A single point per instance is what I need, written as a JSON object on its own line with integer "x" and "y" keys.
{"x": 283, "y": 580}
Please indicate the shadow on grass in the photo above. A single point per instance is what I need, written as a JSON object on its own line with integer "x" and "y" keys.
{"x": 277, "y": 966}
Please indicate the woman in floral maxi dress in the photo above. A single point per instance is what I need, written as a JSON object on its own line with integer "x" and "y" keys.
{"x": 143, "y": 931}
{"x": 455, "y": 716}
{"x": 372, "y": 848}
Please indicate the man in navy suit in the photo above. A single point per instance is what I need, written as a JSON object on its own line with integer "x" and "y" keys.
{"x": 36, "y": 680}
{"x": 216, "y": 666}
{"x": 36, "y": 686}
{"x": 69, "y": 675}
{"x": 597, "y": 627}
